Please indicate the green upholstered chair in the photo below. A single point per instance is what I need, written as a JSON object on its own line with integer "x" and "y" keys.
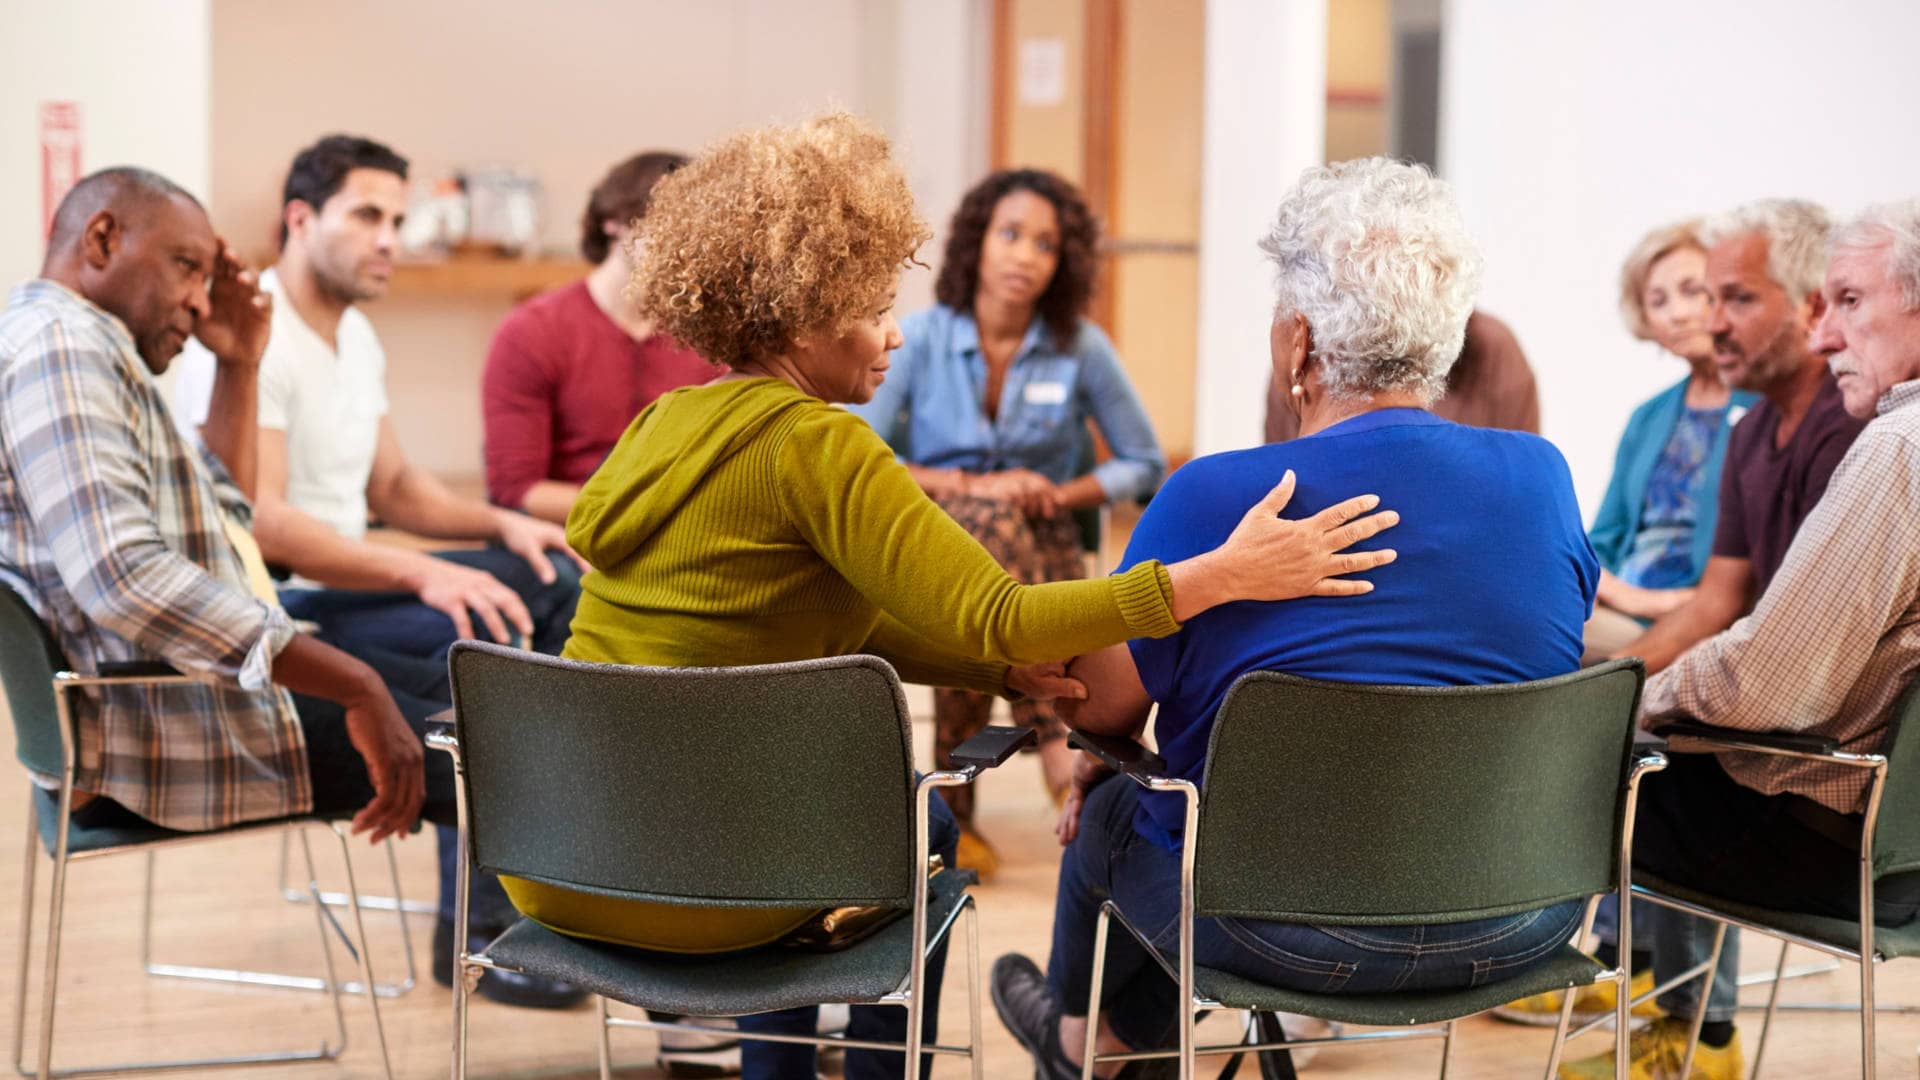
{"x": 39, "y": 686}
{"x": 778, "y": 785}
{"x": 1349, "y": 804}
{"x": 1889, "y": 844}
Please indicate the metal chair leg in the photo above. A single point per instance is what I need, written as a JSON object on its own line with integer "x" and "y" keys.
{"x": 1092, "y": 1042}
{"x": 26, "y": 937}
{"x": 366, "y": 954}
{"x": 1773, "y": 1003}
{"x": 975, "y": 1058}
{"x": 1706, "y": 992}
{"x": 605, "y": 1041}
{"x": 396, "y": 902}
{"x": 1560, "y": 1035}
{"x": 201, "y": 973}
{"x": 320, "y": 922}
{"x": 56, "y": 905}
{"x": 1446, "y": 1050}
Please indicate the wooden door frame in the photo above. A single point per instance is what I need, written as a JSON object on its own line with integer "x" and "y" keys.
{"x": 1103, "y": 27}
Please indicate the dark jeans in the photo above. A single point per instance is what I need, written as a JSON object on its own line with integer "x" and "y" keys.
{"x": 1108, "y": 859}
{"x": 1699, "y": 827}
{"x": 879, "y": 1023}
{"x": 399, "y": 623}
{"x": 407, "y": 642}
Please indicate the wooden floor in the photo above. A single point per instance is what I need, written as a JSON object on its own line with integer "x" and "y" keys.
{"x": 219, "y": 905}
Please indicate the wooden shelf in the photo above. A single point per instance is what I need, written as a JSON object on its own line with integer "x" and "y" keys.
{"x": 479, "y": 275}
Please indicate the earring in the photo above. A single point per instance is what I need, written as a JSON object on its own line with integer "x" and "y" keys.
{"x": 1299, "y": 391}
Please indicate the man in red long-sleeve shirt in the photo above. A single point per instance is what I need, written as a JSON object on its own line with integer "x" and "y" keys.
{"x": 570, "y": 369}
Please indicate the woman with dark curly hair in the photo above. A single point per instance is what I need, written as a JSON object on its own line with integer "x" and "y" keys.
{"x": 751, "y": 521}
{"x": 988, "y": 406}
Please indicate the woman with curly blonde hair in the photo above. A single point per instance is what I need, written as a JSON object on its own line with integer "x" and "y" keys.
{"x": 751, "y": 521}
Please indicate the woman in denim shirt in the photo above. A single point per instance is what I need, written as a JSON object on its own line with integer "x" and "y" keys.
{"x": 988, "y": 403}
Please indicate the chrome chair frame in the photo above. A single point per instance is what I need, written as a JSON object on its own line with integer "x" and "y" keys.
{"x": 1865, "y": 956}
{"x": 1181, "y": 969}
{"x": 64, "y": 684}
{"x": 397, "y": 903}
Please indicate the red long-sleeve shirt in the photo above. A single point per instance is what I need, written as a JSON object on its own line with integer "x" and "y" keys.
{"x": 562, "y": 383}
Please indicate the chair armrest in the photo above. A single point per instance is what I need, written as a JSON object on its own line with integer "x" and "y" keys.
{"x": 138, "y": 669}
{"x": 990, "y": 747}
{"x": 1124, "y": 756}
{"x": 439, "y": 735}
{"x": 1780, "y": 742}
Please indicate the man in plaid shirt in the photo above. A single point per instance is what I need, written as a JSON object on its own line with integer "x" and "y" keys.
{"x": 1829, "y": 650}
{"x": 131, "y": 544}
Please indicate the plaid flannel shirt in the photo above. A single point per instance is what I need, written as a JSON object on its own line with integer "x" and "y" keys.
{"x": 111, "y": 527}
{"x": 1836, "y": 638}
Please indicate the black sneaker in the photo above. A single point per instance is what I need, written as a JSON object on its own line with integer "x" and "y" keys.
{"x": 1027, "y": 1008}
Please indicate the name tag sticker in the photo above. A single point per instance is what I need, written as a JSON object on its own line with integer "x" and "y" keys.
{"x": 1046, "y": 393}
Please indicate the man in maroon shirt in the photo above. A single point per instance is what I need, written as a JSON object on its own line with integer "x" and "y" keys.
{"x": 1764, "y": 267}
{"x": 570, "y": 369}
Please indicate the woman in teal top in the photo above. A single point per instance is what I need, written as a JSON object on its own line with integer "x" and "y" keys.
{"x": 1654, "y": 530}
{"x": 988, "y": 404}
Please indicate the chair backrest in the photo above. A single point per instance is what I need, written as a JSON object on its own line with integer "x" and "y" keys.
{"x": 28, "y": 658}
{"x": 1342, "y": 803}
{"x": 1896, "y": 834}
{"x": 787, "y": 785}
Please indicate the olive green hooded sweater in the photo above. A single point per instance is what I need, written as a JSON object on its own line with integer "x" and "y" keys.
{"x": 745, "y": 522}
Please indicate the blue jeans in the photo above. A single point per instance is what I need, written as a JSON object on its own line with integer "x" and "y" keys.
{"x": 1108, "y": 859}
{"x": 879, "y": 1023}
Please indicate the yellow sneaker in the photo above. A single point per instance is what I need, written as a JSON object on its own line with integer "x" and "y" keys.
{"x": 1589, "y": 1002}
{"x": 1656, "y": 1051}
{"x": 975, "y": 854}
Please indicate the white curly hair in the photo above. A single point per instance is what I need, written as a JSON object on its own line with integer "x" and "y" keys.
{"x": 1896, "y": 224}
{"x": 1374, "y": 255}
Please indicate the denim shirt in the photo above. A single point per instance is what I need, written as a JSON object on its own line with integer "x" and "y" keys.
{"x": 929, "y": 409}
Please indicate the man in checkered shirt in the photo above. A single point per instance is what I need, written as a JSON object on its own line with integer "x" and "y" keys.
{"x": 131, "y": 544}
{"x": 1829, "y": 650}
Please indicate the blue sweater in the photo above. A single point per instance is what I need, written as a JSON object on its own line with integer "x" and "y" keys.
{"x": 1493, "y": 582}
{"x": 1648, "y": 429}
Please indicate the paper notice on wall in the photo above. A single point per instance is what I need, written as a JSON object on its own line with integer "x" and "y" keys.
{"x": 59, "y": 156}
{"x": 1043, "y": 71}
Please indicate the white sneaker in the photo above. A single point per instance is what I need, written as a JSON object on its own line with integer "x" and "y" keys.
{"x": 833, "y": 1020}
{"x": 1308, "y": 1027}
{"x": 687, "y": 1056}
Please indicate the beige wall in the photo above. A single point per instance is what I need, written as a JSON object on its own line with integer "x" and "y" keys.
{"x": 563, "y": 89}
{"x": 137, "y": 68}
{"x": 1048, "y": 136}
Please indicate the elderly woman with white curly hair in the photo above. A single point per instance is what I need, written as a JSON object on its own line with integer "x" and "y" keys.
{"x": 1376, "y": 277}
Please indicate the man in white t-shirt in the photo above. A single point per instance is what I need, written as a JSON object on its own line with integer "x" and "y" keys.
{"x": 328, "y": 456}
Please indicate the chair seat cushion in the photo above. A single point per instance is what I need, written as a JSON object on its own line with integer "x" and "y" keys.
{"x": 1566, "y": 968}
{"x": 731, "y": 984}
{"x": 1888, "y": 941}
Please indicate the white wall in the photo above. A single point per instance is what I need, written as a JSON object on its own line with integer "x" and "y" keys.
{"x": 1265, "y": 120}
{"x": 138, "y": 69}
{"x": 1570, "y": 129}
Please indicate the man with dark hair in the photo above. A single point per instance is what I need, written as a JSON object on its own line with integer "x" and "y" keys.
{"x": 131, "y": 544}
{"x": 329, "y": 456}
{"x": 569, "y": 370}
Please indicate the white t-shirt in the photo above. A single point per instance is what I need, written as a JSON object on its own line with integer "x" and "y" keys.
{"x": 329, "y": 402}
